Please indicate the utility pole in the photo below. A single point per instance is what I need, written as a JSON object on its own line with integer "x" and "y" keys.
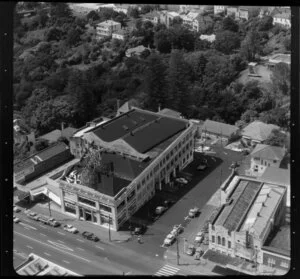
{"x": 49, "y": 206}
{"x": 177, "y": 242}
{"x": 109, "y": 228}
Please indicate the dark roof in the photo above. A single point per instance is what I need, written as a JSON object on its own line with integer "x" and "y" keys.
{"x": 153, "y": 134}
{"x": 243, "y": 197}
{"x": 215, "y": 127}
{"x": 140, "y": 129}
{"x": 43, "y": 155}
{"x": 111, "y": 185}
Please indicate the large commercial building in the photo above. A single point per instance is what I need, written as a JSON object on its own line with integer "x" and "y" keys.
{"x": 251, "y": 211}
{"x": 140, "y": 152}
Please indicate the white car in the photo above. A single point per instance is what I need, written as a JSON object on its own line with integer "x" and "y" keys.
{"x": 16, "y": 209}
{"x": 16, "y": 219}
{"x": 199, "y": 237}
{"x": 70, "y": 228}
{"x": 194, "y": 212}
{"x": 169, "y": 239}
{"x": 198, "y": 149}
{"x": 206, "y": 148}
{"x": 160, "y": 209}
{"x": 182, "y": 180}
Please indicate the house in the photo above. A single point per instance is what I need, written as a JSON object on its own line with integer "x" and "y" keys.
{"x": 188, "y": 19}
{"x": 257, "y": 132}
{"x": 167, "y": 17}
{"x": 279, "y": 58}
{"x": 220, "y": 130}
{"x": 140, "y": 152}
{"x": 106, "y": 28}
{"x": 282, "y": 18}
{"x": 266, "y": 11}
{"x": 250, "y": 212}
{"x": 121, "y": 34}
{"x": 210, "y": 38}
{"x": 264, "y": 156}
{"x": 243, "y": 13}
{"x": 219, "y": 9}
{"x": 232, "y": 11}
{"x": 202, "y": 22}
{"x": 41, "y": 162}
{"x": 136, "y": 51}
{"x": 153, "y": 16}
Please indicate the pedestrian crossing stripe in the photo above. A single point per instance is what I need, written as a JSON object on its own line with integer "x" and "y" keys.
{"x": 167, "y": 270}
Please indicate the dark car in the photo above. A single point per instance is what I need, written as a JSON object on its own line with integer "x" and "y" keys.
{"x": 234, "y": 165}
{"x": 90, "y": 236}
{"x": 140, "y": 229}
{"x": 43, "y": 219}
{"x": 168, "y": 203}
{"x": 202, "y": 167}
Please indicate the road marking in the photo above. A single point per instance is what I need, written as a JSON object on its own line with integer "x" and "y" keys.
{"x": 60, "y": 241}
{"x": 66, "y": 262}
{"x": 60, "y": 245}
{"x": 29, "y": 247}
{"x": 167, "y": 270}
{"x": 79, "y": 240}
{"x": 53, "y": 247}
{"x": 43, "y": 226}
{"x": 61, "y": 233}
{"x": 100, "y": 247}
{"x": 47, "y": 254}
{"x": 80, "y": 248}
{"x": 28, "y": 226}
{"x": 43, "y": 234}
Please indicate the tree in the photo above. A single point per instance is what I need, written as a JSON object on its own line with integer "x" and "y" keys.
{"x": 179, "y": 83}
{"x": 133, "y": 12}
{"x": 249, "y": 116}
{"x": 227, "y": 41}
{"x": 277, "y": 138}
{"x": 281, "y": 82}
{"x": 60, "y": 10}
{"x": 73, "y": 37}
{"x": 177, "y": 20}
{"x": 182, "y": 38}
{"x": 287, "y": 43}
{"x": 53, "y": 34}
{"x": 229, "y": 24}
{"x": 93, "y": 15}
{"x": 250, "y": 45}
{"x": 156, "y": 83}
{"x": 162, "y": 41}
{"x": 265, "y": 24}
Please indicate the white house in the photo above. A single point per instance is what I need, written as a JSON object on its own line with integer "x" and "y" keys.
{"x": 283, "y": 19}
{"x": 219, "y": 9}
{"x": 106, "y": 28}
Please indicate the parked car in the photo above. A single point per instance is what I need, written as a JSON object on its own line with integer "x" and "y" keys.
{"x": 194, "y": 212}
{"x": 199, "y": 237}
{"x": 178, "y": 228}
{"x": 16, "y": 209}
{"x": 202, "y": 167}
{"x": 168, "y": 203}
{"x": 182, "y": 180}
{"x": 160, "y": 209}
{"x": 16, "y": 219}
{"x": 52, "y": 222}
{"x": 90, "y": 236}
{"x": 191, "y": 250}
{"x": 43, "y": 219}
{"x": 234, "y": 165}
{"x": 140, "y": 229}
{"x": 33, "y": 215}
{"x": 169, "y": 239}
{"x": 199, "y": 253}
{"x": 206, "y": 148}
{"x": 69, "y": 228}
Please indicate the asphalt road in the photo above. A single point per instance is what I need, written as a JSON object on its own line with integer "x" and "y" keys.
{"x": 71, "y": 251}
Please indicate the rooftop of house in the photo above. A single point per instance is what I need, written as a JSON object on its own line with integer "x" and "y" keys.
{"x": 209, "y": 38}
{"x": 41, "y": 156}
{"x": 211, "y": 126}
{"x": 258, "y": 130}
{"x": 137, "y": 49}
{"x": 242, "y": 197}
{"x": 268, "y": 152}
{"x": 108, "y": 23}
{"x": 68, "y": 132}
{"x": 279, "y": 241}
{"x": 170, "y": 112}
{"x": 262, "y": 209}
{"x": 36, "y": 265}
{"x": 121, "y": 32}
{"x": 51, "y": 136}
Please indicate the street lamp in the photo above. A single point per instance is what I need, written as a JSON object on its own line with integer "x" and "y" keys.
{"x": 109, "y": 236}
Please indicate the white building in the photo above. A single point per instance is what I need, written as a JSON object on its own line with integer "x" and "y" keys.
{"x": 106, "y": 28}
{"x": 219, "y": 9}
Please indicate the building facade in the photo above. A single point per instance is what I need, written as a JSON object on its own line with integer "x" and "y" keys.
{"x": 219, "y": 9}
{"x": 106, "y": 28}
{"x": 150, "y": 167}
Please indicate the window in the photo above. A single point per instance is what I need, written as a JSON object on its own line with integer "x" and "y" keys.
{"x": 229, "y": 244}
{"x": 131, "y": 195}
{"x": 219, "y": 240}
{"x": 229, "y": 233}
{"x": 213, "y": 239}
{"x": 121, "y": 205}
{"x": 223, "y": 241}
{"x": 284, "y": 264}
{"x": 138, "y": 186}
{"x": 86, "y": 201}
{"x": 104, "y": 207}
{"x": 213, "y": 227}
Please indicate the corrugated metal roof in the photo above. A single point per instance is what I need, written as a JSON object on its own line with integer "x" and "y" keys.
{"x": 218, "y": 128}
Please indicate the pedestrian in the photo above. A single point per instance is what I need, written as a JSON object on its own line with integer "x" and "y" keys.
{"x": 139, "y": 239}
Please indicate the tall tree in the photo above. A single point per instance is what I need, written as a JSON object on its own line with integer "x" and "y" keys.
{"x": 229, "y": 24}
{"x": 227, "y": 41}
{"x": 251, "y": 45}
{"x": 156, "y": 83}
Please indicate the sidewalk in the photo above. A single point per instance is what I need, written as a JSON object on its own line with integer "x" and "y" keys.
{"x": 82, "y": 226}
